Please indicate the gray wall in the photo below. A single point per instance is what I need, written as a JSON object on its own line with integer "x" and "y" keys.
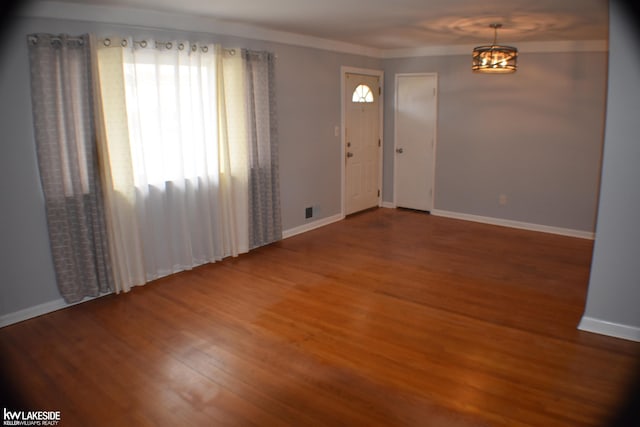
{"x": 26, "y": 273}
{"x": 540, "y": 145}
{"x": 614, "y": 286}
{"x": 308, "y": 98}
{"x": 535, "y": 136}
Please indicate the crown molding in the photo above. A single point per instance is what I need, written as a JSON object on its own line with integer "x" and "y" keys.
{"x": 523, "y": 47}
{"x": 157, "y": 20}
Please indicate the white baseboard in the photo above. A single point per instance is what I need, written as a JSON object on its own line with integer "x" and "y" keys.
{"x": 592, "y": 325}
{"x": 51, "y": 306}
{"x": 39, "y": 310}
{"x": 35, "y": 311}
{"x": 515, "y": 224}
{"x": 589, "y": 324}
{"x": 389, "y": 205}
{"x": 311, "y": 226}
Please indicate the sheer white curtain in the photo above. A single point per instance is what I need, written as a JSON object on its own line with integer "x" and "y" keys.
{"x": 170, "y": 132}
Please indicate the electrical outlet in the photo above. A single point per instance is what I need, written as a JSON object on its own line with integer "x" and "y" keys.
{"x": 502, "y": 199}
{"x": 308, "y": 212}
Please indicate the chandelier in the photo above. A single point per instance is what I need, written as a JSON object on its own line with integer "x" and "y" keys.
{"x": 495, "y": 58}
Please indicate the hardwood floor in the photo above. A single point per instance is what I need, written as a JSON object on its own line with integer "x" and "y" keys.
{"x": 391, "y": 318}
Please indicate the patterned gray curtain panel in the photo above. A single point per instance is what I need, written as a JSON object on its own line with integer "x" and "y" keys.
{"x": 265, "y": 224}
{"x": 61, "y": 92}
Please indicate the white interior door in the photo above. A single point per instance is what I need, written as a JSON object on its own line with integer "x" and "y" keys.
{"x": 415, "y": 137}
{"x": 362, "y": 142}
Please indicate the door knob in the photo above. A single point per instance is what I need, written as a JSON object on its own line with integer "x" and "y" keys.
{"x": 399, "y": 150}
{"x": 349, "y": 154}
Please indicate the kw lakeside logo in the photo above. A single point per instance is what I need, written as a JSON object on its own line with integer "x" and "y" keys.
{"x": 30, "y": 418}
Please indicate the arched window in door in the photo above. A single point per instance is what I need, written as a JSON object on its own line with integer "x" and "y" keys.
{"x": 362, "y": 93}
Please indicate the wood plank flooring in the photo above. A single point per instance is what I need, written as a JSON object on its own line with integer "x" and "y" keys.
{"x": 390, "y": 318}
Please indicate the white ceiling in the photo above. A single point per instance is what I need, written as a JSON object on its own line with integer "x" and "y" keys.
{"x": 398, "y": 24}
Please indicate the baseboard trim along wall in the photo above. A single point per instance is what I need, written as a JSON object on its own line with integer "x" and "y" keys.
{"x": 28, "y": 313}
{"x": 311, "y": 226}
{"x": 589, "y": 324}
{"x": 58, "y": 304}
{"x": 515, "y": 224}
{"x": 592, "y": 325}
{"x": 388, "y": 205}
{"x": 39, "y": 310}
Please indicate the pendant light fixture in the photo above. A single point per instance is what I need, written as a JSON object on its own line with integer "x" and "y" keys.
{"x": 495, "y": 59}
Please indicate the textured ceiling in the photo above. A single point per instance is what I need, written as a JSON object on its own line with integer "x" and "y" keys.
{"x": 393, "y": 24}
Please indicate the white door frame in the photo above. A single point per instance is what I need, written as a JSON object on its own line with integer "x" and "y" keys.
{"x": 344, "y": 70}
{"x": 395, "y": 136}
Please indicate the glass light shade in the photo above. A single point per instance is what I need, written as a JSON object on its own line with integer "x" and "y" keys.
{"x": 495, "y": 59}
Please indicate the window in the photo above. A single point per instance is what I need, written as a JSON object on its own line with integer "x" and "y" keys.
{"x": 171, "y": 107}
{"x": 186, "y": 130}
{"x": 362, "y": 93}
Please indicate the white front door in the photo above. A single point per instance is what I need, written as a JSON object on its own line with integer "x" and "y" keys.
{"x": 362, "y": 142}
{"x": 415, "y": 137}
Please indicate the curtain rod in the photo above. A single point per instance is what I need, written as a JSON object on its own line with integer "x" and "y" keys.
{"x": 34, "y": 39}
{"x": 167, "y": 45}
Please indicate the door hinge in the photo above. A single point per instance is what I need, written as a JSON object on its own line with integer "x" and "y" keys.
{"x": 379, "y": 143}
{"x": 378, "y": 193}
